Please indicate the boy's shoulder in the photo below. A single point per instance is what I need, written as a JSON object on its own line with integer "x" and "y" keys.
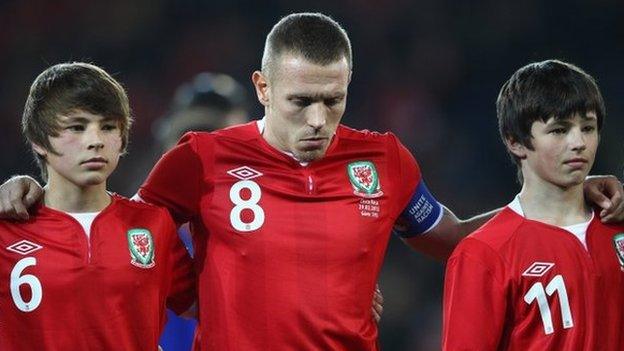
{"x": 499, "y": 230}
{"x": 128, "y": 206}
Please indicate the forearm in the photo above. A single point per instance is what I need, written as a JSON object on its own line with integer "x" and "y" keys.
{"x": 470, "y": 225}
{"x": 440, "y": 241}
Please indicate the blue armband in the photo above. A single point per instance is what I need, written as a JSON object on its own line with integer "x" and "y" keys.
{"x": 422, "y": 213}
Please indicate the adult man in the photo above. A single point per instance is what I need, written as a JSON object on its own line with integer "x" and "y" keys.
{"x": 292, "y": 214}
{"x": 544, "y": 273}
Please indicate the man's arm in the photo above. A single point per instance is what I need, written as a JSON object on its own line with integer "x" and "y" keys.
{"x": 605, "y": 192}
{"x": 440, "y": 241}
{"x": 17, "y": 195}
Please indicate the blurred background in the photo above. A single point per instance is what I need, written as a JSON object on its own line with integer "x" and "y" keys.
{"x": 427, "y": 70}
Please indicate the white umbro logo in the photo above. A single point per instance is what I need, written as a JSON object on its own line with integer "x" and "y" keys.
{"x": 24, "y": 247}
{"x": 244, "y": 173}
{"x": 538, "y": 269}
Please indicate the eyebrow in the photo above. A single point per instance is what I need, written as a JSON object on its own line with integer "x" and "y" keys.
{"x": 315, "y": 97}
{"x": 78, "y": 119}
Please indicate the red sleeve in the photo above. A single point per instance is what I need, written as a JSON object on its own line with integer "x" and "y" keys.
{"x": 474, "y": 299}
{"x": 176, "y": 180}
{"x": 408, "y": 170}
{"x": 182, "y": 288}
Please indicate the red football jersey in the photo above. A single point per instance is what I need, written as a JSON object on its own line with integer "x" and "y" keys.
{"x": 519, "y": 284}
{"x": 62, "y": 291}
{"x": 288, "y": 254}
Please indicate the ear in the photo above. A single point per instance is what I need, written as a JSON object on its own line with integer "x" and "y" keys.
{"x": 41, "y": 151}
{"x": 350, "y": 75}
{"x": 261, "y": 84}
{"x": 516, "y": 147}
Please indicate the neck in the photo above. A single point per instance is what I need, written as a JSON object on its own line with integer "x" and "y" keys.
{"x": 72, "y": 198}
{"x": 546, "y": 202}
{"x": 269, "y": 136}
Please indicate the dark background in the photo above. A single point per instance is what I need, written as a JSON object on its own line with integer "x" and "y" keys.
{"x": 428, "y": 71}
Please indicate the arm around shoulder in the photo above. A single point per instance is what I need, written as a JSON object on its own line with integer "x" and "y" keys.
{"x": 439, "y": 241}
{"x": 18, "y": 194}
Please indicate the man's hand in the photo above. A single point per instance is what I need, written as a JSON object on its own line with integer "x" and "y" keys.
{"x": 16, "y": 195}
{"x": 377, "y": 304}
{"x": 606, "y": 192}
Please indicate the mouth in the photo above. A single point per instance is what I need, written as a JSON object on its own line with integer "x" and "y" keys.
{"x": 95, "y": 162}
{"x": 313, "y": 143}
{"x": 577, "y": 162}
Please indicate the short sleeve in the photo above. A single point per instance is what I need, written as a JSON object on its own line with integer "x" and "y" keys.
{"x": 475, "y": 299}
{"x": 176, "y": 181}
{"x": 419, "y": 211}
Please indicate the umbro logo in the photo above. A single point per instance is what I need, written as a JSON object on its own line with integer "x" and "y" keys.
{"x": 244, "y": 173}
{"x": 24, "y": 247}
{"x": 538, "y": 269}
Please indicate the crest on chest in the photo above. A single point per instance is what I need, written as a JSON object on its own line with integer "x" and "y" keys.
{"x": 618, "y": 243}
{"x": 141, "y": 247}
{"x": 365, "y": 182}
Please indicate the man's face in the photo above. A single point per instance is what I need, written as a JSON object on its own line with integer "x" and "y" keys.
{"x": 88, "y": 148}
{"x": 563, "y": 150}
{"x": 304, "y": 103}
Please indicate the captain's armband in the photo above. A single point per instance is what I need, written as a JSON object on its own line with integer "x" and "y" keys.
{"x": 423, "y": 213}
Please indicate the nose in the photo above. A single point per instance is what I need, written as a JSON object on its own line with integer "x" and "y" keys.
{"x": 578, "y": 140}
{"x": 94, "y": 139}
{"x": 316, "y": 116}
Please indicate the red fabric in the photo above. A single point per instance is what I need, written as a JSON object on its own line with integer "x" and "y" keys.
{"x": 303, "y": 279}
{"x": 99, "y": 303}
{"x": 487, "y": 284}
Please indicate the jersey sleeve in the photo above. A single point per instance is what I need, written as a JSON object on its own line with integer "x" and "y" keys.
{"x": 420, "y": 211}
{"x": 181, "y": 273}
{"x": 474, "y": 310}
{"x": 176, "y": 181}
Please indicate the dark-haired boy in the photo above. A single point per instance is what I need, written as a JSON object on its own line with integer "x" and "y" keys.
{"x": 545, "y": 273}
{"x": 90, "y": 270}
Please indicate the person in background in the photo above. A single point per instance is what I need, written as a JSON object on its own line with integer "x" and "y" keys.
{"x": 209, "y": 101}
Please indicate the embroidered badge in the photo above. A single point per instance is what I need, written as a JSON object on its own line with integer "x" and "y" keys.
{"x": 364, "y": 179}
{"x": 24, "y": 247}
{"x": 618, "y": 243}
{"x": 141, "y": 246}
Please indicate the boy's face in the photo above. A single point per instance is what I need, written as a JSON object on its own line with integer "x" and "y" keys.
{"x": 88, "y": 148}
{"x": 563, "y": 150}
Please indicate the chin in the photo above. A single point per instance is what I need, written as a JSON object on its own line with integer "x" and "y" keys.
{"x": 308, "y": 156}
{"x": 571, "y": 181}
{"x": 92, "y": 180}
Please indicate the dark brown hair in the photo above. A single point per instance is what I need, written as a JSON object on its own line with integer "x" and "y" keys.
{"x": 66, "y": 87}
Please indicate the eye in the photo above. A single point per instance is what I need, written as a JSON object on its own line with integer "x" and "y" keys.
{"x": 332, "y": 101}
{"x": 589, "y": 129}
{"x": 75, "y": 128}
{"x": 302, "y": 101}
{"x": 109, "y": 126}
{"x": 557, "y": 131}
